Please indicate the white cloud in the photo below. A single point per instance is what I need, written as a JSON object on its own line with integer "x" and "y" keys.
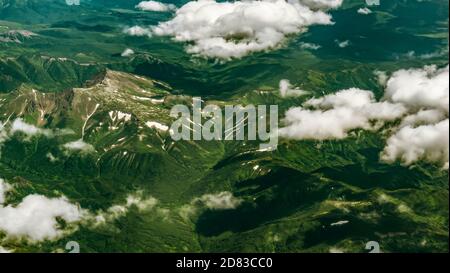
{"x": 137, "y": 31}
{"x": 342, "y": 44}
{"x": 51, "y": 157}
{"x": 127, "y": 52}
{"x": 420, "y": 88}
{"x": 30, "y": 130}
{"x": 426, "y": 93}
{"x": 235, "y": 29}
{"x": 142, "y": 203}
{"x": 187, "y": 211}
{"x": 79, "y": 146}
{"x": 418, "y": 98}
{"x": 309, "y": 46}
{"x": 114, "y": 212}
{"x": 430, "y": 55}
{"x": 434, "y": 54}
{"x": 423, "y": 117}
{"x": 220, "y": 201}
{"x": 364, "y": 11}
{"x": 352, "y": 98}
{"x": 333, "y": 116}
{"x": 217, "y": 201}
{"x": 322, "y": 4}
{"x": 35, "y": 217}
{"x": 155, "y": 6}
{"x": 426, "y": 142}
{"x": 287, "y": 90}
{"x": 382, "y": 77}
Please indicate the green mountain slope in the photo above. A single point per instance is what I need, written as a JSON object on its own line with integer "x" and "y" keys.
{"x": 291, "y": 197}
{"x": 48, "y": 73}
{"x": 95, "y": 128}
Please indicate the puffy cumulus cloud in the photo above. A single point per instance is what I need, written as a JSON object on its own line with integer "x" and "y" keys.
{"x": 78, "y": 146}
{"x": 30, "y": 130}
{"x": 51, "y": 157}
{"x": 351, "y": 98}
{"x": 18, "y": 126}
{"x": 342, "y": 44}
{"x": 127, "y": 52}
{"x": 425, "y": 56}
{"x": 309, "y": 46}
{"x": 333, "y": 116}
{"x": 420, "y": 88}
{"x": 382, "y": 77}
{"x": 307, "y": 124}
{"x": 426, "y": 142}
{"x": 423, "y": 117}
{"x": 364, "y": 11}
{"x": 417, "y": 98}
{"x": 220, "y": 201}
{"x": 235, "y": 29}
{"x": 35, "y": 217}
{"x": 322, "y": 4}
{"x": 137, "y": 31}
{"x": 155, "y": 6}
{"x": 136, "y": 199}
{"x": 424, "y": 134}
{"x": 287, "y": 90}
